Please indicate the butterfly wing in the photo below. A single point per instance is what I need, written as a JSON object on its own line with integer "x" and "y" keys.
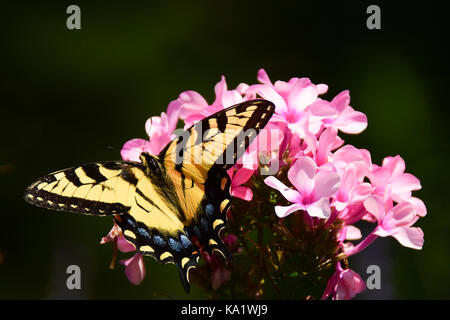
{"x": 218, "y": 140}
{"x": 102, "y": 188}
{"x": 197, "y": 162}
{"x": 187, "y": 199}
{"x": 144, "y": 209}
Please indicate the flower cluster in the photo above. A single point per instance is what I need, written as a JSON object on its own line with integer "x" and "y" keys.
{"x": 298, "y": 167}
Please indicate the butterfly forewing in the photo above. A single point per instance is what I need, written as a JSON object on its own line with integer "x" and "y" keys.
{"x": 218, "y": 140}
{"x": 102, "y": 188}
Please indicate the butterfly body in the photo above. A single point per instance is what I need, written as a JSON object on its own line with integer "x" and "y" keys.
{"x": 168, "y": 205}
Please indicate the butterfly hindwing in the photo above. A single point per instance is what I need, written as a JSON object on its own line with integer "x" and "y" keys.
{"x": 175, "y": 248}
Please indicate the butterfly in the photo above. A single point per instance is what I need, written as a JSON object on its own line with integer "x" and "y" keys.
{"x": 168, "y": 205}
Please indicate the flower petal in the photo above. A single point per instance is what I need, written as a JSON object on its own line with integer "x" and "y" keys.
{"x": 326, "y": 142}
{"x": 396, "y": 165}
{"x": 124, "y": 245}
{"x": 283, "y": 211}
{"x": 241, "y": 176}
{"x": 403, "y": 214}
{"x": 301, "y": 175}
{"x": 132, "y": 149}
{"x": 192, "y": 102}
{"x": 349, "y": 284}
{"x": 351, "y": 121}
{"x": 375, "y": 206}
{"x": 269, "y": 93}
{"x": 134, "y": 269}
{"x": 244, "y": 193}
{"x": 341, "y": 101}
{"x": 403, "y": 184}
{"x": 353, "y": 233}
{"x": 290, "y": 194}
{"x": 320, "y": 209}
{"x": 326, "y": 183}
{"x": 409, "y": 237}
{"x": 419, "y": 206}
{"x": 322, "y": 88}
{"x": 263, "y": 77}
{"x": 302, "y": 96}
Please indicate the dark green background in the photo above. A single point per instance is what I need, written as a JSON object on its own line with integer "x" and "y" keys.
{"x": 69, "y": 97}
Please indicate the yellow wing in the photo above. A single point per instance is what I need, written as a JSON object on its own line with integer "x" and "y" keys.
{"x": 197, "y": 161}
{"x": 143, "y": 206}
{"x": 97, "y": 188}
{"x": 218, "y": 140}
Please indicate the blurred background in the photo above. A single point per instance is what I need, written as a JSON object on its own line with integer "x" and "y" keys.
{"x": 75, "y": 96}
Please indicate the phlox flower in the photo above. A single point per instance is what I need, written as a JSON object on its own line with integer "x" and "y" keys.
{"x": 314, "y": 186}
{"x": 193, "y": 107}
{"x": 134, "y": 266}
{"x": 336, "y": 114}
{"x": 160, "y": 131}
{"x": 352, "y": 165}
{"x": 291, "y": 99}
{"x": 392, "y": 183}
{"x": 239, "y": 177}
{"x": 396, "y": 222}
{"x": 344, "y": 284}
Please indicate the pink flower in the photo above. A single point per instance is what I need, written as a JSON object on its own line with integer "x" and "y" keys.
{"x": 396, "y": 222}
{"x": 133, "y": 148}
{"x": 159, "y": 129}
{"x": 349, "y": 199}
{"x": 321, "y": 149}
{"x": 290, "y": 98}
{"x": 391, "y": 182}
{"x": 193, "y": 107}
{"x": 239, "y": 177}
{"x": 314, "y": 188}
{"x": 337, "y": 114}
{"x": 359, "y": 158}
{"x": 134, "y": 268}
{"x": 344, "y": 284}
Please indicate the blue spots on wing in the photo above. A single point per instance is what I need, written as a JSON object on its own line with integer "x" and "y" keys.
{"x": 185, "y": 242}
{"x": 143, "y": 233}
{"x": 209, "y": 209}
{"x": 174, "y": 245}
{"x": 130, "y": 222}
{"x": 159, "y": 240}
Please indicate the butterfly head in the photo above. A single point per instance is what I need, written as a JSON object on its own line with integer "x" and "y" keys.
{"x": 151, "y": 164}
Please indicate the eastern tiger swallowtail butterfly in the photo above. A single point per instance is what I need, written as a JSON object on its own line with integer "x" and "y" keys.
{"x": 168, "y": 204}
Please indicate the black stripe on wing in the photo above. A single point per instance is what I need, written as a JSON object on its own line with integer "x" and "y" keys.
{"x": 69, "y": 189}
